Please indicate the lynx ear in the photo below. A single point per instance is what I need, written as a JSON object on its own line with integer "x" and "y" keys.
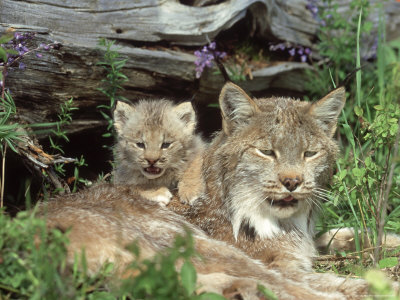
{"x": 236, "y": 107}
{"x": 186, "y": 113}
{"x": 327, "y": 110}
{"x": 121, "y": 113}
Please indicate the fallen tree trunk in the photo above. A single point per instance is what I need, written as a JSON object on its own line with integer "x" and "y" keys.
{"x": 146, "y": 31}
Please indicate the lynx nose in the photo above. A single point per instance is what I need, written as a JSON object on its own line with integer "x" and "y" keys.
{"x": 291, "y": 183}
{"x": 152, "y": 161}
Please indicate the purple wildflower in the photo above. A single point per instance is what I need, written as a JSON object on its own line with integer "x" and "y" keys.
{"x": 212, "y": 46}
{"x": 21, "y": 66}
{"x": 312, "y": 6}
{"x": 280, "y": 46}
{"x": 205, "y": 57}
{"x": 39, "y": 55}
{"x": 18, "y": 36}
{"x": 300, "y": 52}
{"x": 44, "y": 46}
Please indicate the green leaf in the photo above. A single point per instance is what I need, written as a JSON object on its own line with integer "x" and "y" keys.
{"x": 211, "y": 296}
{"x": 342, "y": 174}
{"x": 378, "y": 107}
{"x": 357, "y": 172}
{"x": 358, "y": 111}
{"x": 101, "y": 296}
{"x": 6, "y": 38}
{"x": 267, "y": 293}
{"x": 3, "y": 54}
{"x": 388, "y": 262}
{"x": 12, "y": 51}
{"x": 188, "y": 277}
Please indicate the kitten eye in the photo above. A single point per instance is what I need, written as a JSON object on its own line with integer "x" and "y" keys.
{"x": 310, "y": 153}
{"x": 165, "y": 145}
{"x": 268, "y": 152}
{"x": 140, "y": 145}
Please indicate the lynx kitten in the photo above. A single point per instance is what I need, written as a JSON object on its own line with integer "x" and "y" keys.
{"x": 265, "y": 173}
{"x": 155, "y": 144}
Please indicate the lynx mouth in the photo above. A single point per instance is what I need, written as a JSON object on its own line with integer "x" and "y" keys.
{"x": 285, "y": 202}
{"x": 153, "y": 170}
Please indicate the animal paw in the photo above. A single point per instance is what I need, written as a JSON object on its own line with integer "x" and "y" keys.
{"x": 190, "y": 192}
{"x": 161, "y": 195}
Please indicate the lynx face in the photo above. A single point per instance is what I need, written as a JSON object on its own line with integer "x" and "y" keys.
{"x": 154, "y": 138}
{"x": 274, "y": 157}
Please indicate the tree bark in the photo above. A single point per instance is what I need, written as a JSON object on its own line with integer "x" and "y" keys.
{"x": 146, "y": 32}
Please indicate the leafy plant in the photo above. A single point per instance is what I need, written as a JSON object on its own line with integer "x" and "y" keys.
{"x": 369, "y": 166}
{"x": 113, "y": 64}
{"x": 380, "y": 286}
{"x": 158, "y": 278}
{"x": 33, "y": 264}
{"x": 337, "y": 44}
{"x": 64, "y": 119}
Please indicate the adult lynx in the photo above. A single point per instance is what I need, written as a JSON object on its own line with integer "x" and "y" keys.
{"x": 104, "y": 219}
{"x": 265, "y": 173}
{"x": 155, "y": 143}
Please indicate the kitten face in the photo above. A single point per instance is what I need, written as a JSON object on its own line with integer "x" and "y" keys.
{"x": 151, "y": 150}
{"x": 154, "y": 138}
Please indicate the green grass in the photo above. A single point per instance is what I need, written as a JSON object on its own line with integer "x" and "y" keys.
{"x": 366, "y": 186}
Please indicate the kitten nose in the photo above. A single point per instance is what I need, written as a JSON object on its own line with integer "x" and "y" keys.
{"x": 291, "y": 183}
{"x": 152, "y": 161}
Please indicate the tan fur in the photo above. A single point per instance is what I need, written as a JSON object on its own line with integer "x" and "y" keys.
{"x": 105, "y": 218}
{"x": 342, "y": 239}
{"x": 156, "y": 143}
{"x": 269, "y": 150}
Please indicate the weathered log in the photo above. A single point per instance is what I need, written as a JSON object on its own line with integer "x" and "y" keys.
{"x": 152, "y": 71}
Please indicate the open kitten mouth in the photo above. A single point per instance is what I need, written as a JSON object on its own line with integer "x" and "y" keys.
{"x": 153, "y": 170}
{"x": 285, "y": 202}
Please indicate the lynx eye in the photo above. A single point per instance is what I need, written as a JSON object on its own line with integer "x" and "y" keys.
{"x": 140, "y": 145}
{"x": 268, "y": 152}
{"x": 310, "y": 153}
{"x": 165, "y": 145}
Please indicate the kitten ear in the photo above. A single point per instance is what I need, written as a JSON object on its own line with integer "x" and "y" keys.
{"x": 186, "y": 113}
{"x": 236, "y": 107}
{"x": 121, "y": 113}
{"x": 326, "y": 111}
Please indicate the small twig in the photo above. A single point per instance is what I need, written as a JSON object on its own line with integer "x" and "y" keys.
{"x": 3, "y": 173}
{"x": 386, "y": 195}
{"x": 221, "y": 67}
{"x": 57, "y": 183}
{"x": 335, "y": 258}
